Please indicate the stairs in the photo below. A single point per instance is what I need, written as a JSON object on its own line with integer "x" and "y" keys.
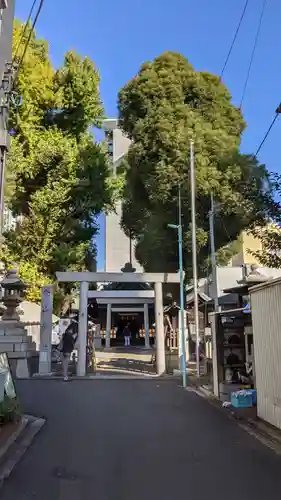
{"x": 125, "y": 360}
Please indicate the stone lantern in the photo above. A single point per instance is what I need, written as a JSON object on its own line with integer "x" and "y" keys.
{"x": 14, "y": 289}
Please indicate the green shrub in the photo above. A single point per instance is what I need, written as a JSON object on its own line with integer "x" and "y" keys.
{"x": 9, "y": 411}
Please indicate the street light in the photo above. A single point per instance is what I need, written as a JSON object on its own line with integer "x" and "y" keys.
{"x": 182, "y": 331}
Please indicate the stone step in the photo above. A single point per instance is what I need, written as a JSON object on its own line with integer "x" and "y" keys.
{"x": 113, "y": 356}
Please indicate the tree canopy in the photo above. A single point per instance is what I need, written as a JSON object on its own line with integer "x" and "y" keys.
{"x": 57, "y": 175}
{"x": 161, "y": 109}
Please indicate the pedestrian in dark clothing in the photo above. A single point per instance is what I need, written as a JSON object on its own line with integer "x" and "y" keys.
{"x": 68, "y": 342}
{"x": 127, "y": 336}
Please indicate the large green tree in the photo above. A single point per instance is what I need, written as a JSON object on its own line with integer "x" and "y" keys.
{"x": 161, "y": 109}
{"x": 57, "y": 176}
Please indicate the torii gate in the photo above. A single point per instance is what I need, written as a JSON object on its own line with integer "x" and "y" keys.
{"x": 84, "y": 278}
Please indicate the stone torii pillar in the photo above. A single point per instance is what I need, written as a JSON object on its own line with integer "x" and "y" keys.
{"x": 108, "y": 325}
{"x": 146, "y": 325}
{"x": 159, "y": 327}
{"x": 82, "y": 329}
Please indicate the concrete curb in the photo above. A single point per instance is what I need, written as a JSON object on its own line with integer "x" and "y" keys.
{"x": 4, "y": 449}
{"x": 124, "y": 375}
{"x": 264, "y": 437}
{"x": 102, "y": 377}
{"x": 42, "y": 375}
{"x": 28, "y": 432}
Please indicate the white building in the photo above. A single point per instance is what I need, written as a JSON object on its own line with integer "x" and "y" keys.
{"x": 119, "y": 249}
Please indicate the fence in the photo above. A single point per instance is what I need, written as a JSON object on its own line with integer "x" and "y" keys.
{"x": 266, "y": 317}
{"x": 172, "y": 340}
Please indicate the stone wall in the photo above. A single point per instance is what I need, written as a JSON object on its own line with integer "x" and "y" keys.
{"x": 19, "y": 347}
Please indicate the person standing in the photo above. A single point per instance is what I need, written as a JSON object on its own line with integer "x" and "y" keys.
{"x": 127, "y": 336}
{"x": 68, "y": 342}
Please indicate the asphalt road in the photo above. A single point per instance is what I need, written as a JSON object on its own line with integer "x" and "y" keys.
{"x": 137, "y": 440}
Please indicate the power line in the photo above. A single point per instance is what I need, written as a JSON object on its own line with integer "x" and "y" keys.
{"x": 278, "y": 110}
{"x": 14, "y": 68}
{"x": 24, "y": 30}
{"x": 234, "y": 38}
{"x": 277, "y": 113}
{"x": 253, "y": 52}
{"x": 27, "y": 42}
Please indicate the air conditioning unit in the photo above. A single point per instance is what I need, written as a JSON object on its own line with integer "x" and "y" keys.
{"x": 3, "y": 4}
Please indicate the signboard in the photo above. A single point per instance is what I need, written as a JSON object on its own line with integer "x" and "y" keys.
{"x": 46, "y": 329}
{"x": 247, "y": 308}
{"x": 7, "y": 387}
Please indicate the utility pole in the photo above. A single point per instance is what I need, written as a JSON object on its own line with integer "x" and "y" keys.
{"x": 194, "y": 254}
{"x": 216, "y": 375}
{"x": 182, "y": 309}
{"x": 213, "y": 253}
{"x": 9, "y": 72}
{"x": 5, "y": 89}
{"x": 6, "y": 74}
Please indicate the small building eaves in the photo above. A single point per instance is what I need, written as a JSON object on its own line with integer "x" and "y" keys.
{"x": 266, "y": 284}
{"x": 201, "y": 296}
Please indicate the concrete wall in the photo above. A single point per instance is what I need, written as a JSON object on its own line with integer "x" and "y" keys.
{"x": 227, "y": 277}
{"x": 121, "y": 144}
{"x": 249, "y": 243}
{"x": 117, "y": 244}
{"x": 266, "y": 317}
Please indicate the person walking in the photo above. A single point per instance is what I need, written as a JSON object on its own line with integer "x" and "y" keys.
{"x": 127, "y": 336}
{"x": 68, "y": 342}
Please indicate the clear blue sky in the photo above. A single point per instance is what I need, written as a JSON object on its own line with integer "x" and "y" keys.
{"x": 119, "y": 35}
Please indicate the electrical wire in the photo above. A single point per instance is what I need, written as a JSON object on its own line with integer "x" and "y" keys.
{"x": 253, "y": 52}
{"x": 24, "y": 30}
{"x": 267, "y": 134}
{"x": 234, "y": 38}
{"x": 277, "y": 113}
{"x": 27, "y": 43}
